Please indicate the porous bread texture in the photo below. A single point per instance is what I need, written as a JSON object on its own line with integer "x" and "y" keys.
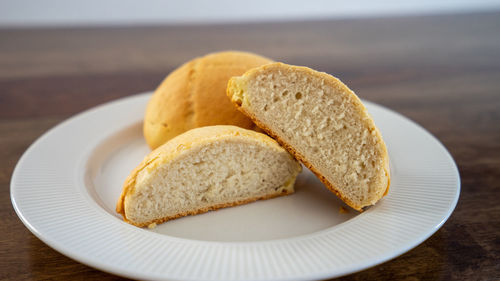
{"x": 205, "y": 169}
{"x": 194, "y": 95}
{"x": 323, "y": 123}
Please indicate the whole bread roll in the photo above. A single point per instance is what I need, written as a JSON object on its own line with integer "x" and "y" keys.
{"x": 205, "y": 169}
{"x": 194, "y": 95}
{"x": 320, "y": 121}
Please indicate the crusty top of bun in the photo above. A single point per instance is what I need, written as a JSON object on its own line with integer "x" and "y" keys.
{"x": 194, "y": 95}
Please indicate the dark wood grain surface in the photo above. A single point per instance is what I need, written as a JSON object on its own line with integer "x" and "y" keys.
{"x": 442, "y": 71}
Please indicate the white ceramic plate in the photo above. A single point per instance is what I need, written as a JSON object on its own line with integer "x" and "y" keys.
{"x": 65, "y": 186}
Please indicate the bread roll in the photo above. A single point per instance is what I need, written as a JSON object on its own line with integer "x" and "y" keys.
{"x": 320, "y": 121}
{"x": 194, "y": 95}
{"x": 206, "y": 169}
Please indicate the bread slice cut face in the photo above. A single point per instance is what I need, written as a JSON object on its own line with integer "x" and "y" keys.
{"x": 205, "y": 169}
{"x": 322, "y": 122}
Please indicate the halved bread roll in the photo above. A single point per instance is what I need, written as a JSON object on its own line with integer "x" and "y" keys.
{"x": 322, "y": 122}
{"x": 205, "y": 169}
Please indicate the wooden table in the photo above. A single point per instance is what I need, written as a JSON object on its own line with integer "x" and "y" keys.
{"x": 441, "y": 71}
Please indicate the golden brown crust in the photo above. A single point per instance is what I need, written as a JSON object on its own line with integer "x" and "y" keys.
{"x": 207, "y": 209}
{"x": 193, "y": 96}
{"x": 292, "y": 150}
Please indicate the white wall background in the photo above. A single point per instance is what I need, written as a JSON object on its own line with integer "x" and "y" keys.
{"x": 130, "y": 12}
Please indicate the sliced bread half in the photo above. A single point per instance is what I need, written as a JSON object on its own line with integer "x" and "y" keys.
{"x": 322, "y": 122}
{"x": 205, "y": 169}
